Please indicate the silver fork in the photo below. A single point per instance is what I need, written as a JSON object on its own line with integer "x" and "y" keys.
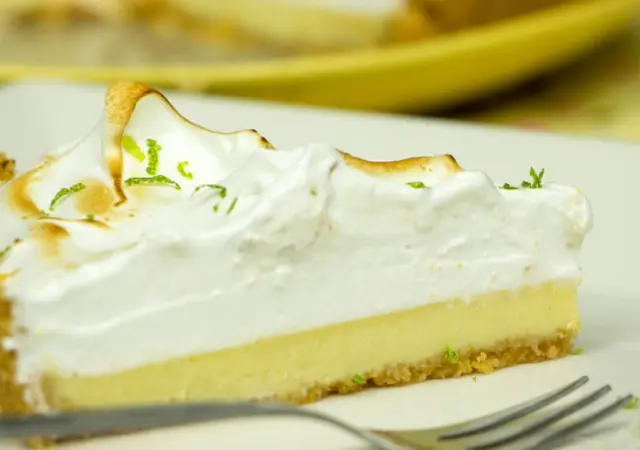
{"x": 478, "y": 434}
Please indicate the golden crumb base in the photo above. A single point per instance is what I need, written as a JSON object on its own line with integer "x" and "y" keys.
{"x": 11, "y": 393}
{"x": 510, "y": 352}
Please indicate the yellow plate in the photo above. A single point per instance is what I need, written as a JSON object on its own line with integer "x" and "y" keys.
{"x": 418, "y": 76}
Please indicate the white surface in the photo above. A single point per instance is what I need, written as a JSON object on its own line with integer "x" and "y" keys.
{"x": 41, "y": 116}
{"x": 303, "y": 218}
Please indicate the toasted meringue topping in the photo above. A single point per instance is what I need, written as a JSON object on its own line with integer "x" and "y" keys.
{"x": 177, "y": 226}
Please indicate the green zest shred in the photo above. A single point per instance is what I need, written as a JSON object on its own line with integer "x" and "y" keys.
{"x": 232, "y": 206}
{"x": 6, "y": 250}
{"x": 634, "y": 403}
{"x": 64, "y": 193}
{"x": 358, "y": 379}
{"x": 577, "y": 351}
{"x": 183, "y": 171}
{"x": 535, "y": 183}
{"x": 222, "y": 189}
{"x": 153, "y": 150}
{"x": 451, "y": 356}
{"x": 132, "y": 148}
{"x": 156, "y": 180}
{"x": 417, "y": 185}
{"x": 536, "y": 179}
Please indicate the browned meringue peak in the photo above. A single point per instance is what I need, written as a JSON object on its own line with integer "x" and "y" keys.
{"x": 441, "y": 163}
{"x": 121, "y": 101}
{"x": 122, "y": 98}
{"x": 18, "y": 197}
{"x": 120, "y": 104}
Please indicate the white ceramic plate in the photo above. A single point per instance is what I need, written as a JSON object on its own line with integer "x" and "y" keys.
{"x": 38, "y": 116}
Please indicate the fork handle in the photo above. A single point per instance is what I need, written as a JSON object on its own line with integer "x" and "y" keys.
{"x": 101, "y": 422}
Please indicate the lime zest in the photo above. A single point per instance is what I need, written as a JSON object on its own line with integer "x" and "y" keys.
{"x": 634, "y": 403}
{"x": 451, "y": 356}
{"x": 6, "y": 250}
{"x": 64, "y": 193}
{"x": 222, "y": 189}
{"x": 358, "y": 379}
{"x": 91, "y": 217}
{"x": 535, "y": 183}
{"x": 417, "y": 185}
{"x": 153, "y": 150}
{"x": 577, "y": 351}
{"x": 131, "y": 147}
{"x": 536, "y": 179}
{"x": 156, "y": 180}
{"x": 216, "y": 207}
{"x": 183, "y": 171}
{"x": 232, "y": 206}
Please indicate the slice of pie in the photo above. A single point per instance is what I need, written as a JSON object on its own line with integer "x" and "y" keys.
{"x": 115, "y": 29}
{"x": 158, "y": 261}
{"x": 286, "y": 24}
{"x": 314, "y": 24}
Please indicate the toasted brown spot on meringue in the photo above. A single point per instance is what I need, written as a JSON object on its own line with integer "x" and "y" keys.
{"x": 417, "y": 164}
{"x": 7, "y": 168}
{"x": 17, "y": 193}
{"x": 6, "y": 276}
{"x": 95, "y": 198}
{"x": 50, "y": 236}
{"x": 121, "y": 101}
{"x": 265, "y": 143}
{"x": 95, "y": 222}
{"x": 19, "y": 198}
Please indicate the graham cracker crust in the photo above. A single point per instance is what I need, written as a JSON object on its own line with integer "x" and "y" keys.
{"x": 11, "y": 393}
{"x": 503, "y": 354}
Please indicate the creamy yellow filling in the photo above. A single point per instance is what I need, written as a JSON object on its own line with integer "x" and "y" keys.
{"x": 284, "y": 366}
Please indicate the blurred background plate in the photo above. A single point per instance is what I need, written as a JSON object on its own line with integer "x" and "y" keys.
{"x": 411, "y": 77}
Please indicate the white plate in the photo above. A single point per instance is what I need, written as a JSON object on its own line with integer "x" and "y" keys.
{"x": 38, "y": 116}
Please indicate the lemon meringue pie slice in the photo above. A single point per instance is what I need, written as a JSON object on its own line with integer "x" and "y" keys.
{"x": 155, "y": 260}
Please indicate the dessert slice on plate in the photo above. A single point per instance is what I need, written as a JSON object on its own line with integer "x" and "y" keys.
{"x": 339, "y": 24}
{"x": 312, "y": 24}
{"x": 157, "y": 261}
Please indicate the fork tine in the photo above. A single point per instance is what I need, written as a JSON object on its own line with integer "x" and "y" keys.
{"x": 565, "y": 433}
{"x": 519, "y": 412}
{"x": 547, "y": 421}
